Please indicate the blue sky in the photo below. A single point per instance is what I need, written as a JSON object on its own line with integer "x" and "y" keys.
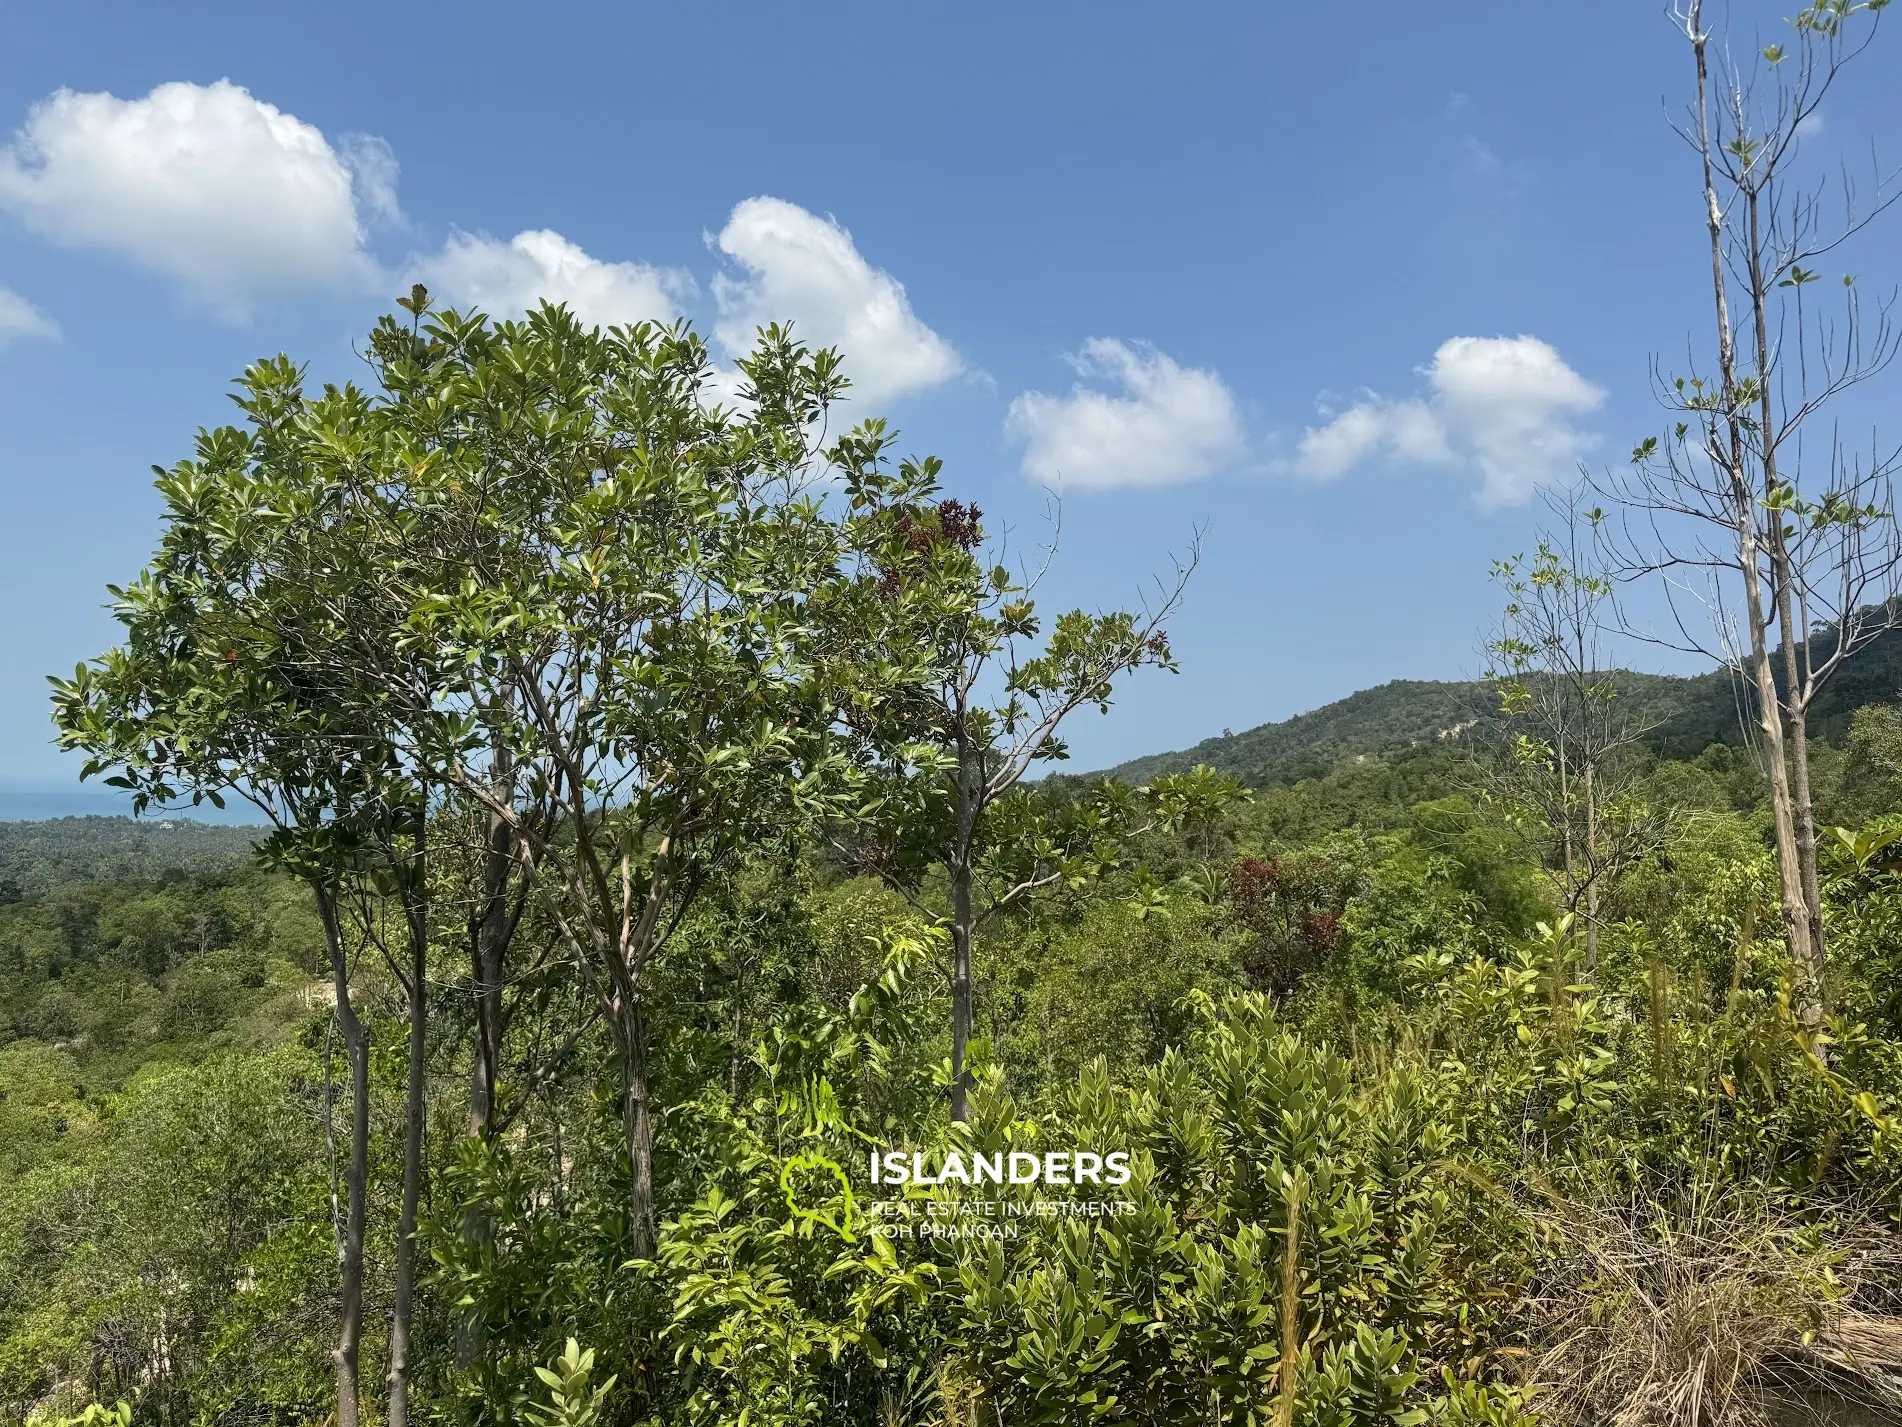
{"x": 1340, "y": 284}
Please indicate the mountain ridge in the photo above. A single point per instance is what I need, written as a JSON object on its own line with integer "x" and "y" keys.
{"x": 1685, "y": 714}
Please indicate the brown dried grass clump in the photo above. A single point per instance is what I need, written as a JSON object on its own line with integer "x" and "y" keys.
{"x": 1699, "y": 1312}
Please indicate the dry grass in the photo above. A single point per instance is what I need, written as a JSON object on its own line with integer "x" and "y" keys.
{"x": 953, "y": 1397}
{"x": 1855, "y": 1361}
{"x": 1682, "y": 1315}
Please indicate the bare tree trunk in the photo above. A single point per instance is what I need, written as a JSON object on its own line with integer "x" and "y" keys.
{"x": 415, "y": 1108}
{"x": 637, "y": 1121}
{"x": 1796, "y": 918}
{"x": 1591, "y": 869}
{"x": 1796, "y": 913}
{"x": 960, "y": 988}
{"x": 1802, "y": 805}
{"x": 962, "y": 924}
{"x": 489, "y": 935}
{"x": 1795, "y": 706}
{"x": 1565, "y": 802}
{"x": 350, "y": 1234}
{"x": 490, "y": 931}
{"x": 1805, "y": 807}
{"x": 1290, "y": 1367}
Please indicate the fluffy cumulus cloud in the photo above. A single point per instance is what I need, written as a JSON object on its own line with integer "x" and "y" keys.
{"x": 1506, "y": 408}
{"x": 230, "y": 196}
{"x": 796, "y": 266}
{"x": 1163, "y": 423}
{"x": 20, "y": 318}
{"x": 509, "y": 278}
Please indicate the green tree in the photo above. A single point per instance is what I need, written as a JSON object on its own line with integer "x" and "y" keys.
{"x": 616, "y": 580}
{"x": 1569, "y": 778}
{"x": 224, "y": 686}
{"x": 971, "y": 695}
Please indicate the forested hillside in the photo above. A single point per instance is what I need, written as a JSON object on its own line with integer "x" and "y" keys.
{"x": 1680, "y": 717}
{"x": 37, "y": 857}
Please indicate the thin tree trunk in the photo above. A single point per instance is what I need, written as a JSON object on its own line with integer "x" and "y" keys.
{"x": 963, "y": 919}
{"x": 637, "y": 1122}
{"x": 628, "y": 956}
{"x": 1796, "y": 918}
{"x": 1795, "y": 712}
{"x": 1802, "y": 804}
{"x": 489, "y": 932}
{"x": 415, "y": 1107}
{"x": 1805, "y": 809}
{"x": 960, "y": 989}
{"x": 489, "y": 936}
{"x": 1290, "y": 1367}
{"x": 1795, "y": 706}
{"x": 1591, "y": 870}
{"x": 356, "y": 1041}
{"x": 1796, "y": 914}
{"x": 1572, "y": 888}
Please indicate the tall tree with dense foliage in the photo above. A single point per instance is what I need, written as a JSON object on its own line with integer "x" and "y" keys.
{"x": 614, "y": 576}
{"x": 542, "y": 572}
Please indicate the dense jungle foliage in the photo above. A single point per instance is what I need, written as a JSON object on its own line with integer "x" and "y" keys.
{"x": 38, "y": 857}
{"x": 1354, "y": 990}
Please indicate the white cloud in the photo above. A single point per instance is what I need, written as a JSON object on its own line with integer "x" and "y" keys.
{"x": 805, "y": 269}
{"x": 1171, "y": 423}
{"x": 1503, "y": 407}
{"x": 505, "y": 279}
{"x": 20, "y": 318}
{"x": 227, "y": 194}
{"x": 373, "y": 169}
{"x": 1409, "y": 430}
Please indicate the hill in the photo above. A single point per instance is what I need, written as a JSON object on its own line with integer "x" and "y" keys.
{"x": 1685, "y": 714}
{"x": 1379, "y": 720}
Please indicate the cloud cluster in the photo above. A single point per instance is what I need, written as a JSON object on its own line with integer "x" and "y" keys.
{"x": 230, "y": 196}
{"x": 1506, "y": 408}
{"x": 788, "y": 265}
{"x": 1165, "y": 423}
{"x": 508, "y": 278}
{"x": 236, "y": 201}
{"x": 796, "y": 265}
{"x": 20, "y": 318}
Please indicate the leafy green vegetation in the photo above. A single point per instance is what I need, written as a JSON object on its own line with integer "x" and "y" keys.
{"x": 1347, "y": 995}
{"x": 662, "y": 994}
{"x": 1681, "y": 717}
